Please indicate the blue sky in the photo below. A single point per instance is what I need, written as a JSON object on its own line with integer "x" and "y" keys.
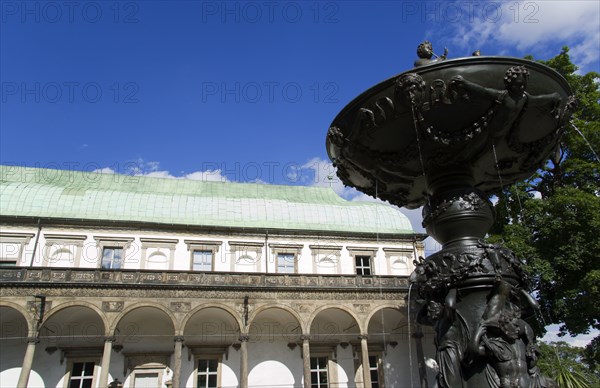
{"x": 238, "y": 90}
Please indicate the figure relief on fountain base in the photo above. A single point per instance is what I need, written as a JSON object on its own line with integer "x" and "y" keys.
{"x": 446, "y": 135}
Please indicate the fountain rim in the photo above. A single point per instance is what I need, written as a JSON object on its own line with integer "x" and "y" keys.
{"x": 436, "y": 66}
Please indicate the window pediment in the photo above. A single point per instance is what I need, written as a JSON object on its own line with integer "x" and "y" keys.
{"x": 120, "y": 242}
{"x": 158, "y": 243}
{"x": 203, "y": 245}
{"x": 12, "y": 246}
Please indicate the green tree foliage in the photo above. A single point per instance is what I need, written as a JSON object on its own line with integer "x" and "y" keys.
{"x": 552, "y": 220}
{"x": 567, "y": 365}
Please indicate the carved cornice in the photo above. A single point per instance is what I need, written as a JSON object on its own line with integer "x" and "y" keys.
{"x": 15, "y": 238}
{"x": 67, "y": 237}
{"x": 326, "y": 247}
{"x": 355, "y": 249}
{"x": 399, "y": 250}
{"x": 253, "y": 244}
{"x": 286, "y": 246}
{"x": 193, "y": 243}
{"x": 64, "y": 239}
{"x": 205, "y": 295}
{"x": 158, "y": 242}
{"x": 188, "y": 280}
{"x": 104, "y": 241}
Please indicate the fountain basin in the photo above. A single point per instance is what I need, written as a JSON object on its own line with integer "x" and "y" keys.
{"x": 406, "y": 138}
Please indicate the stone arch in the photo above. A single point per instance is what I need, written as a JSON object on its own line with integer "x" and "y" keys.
{"x": 74, "y": 324}
{"x": 394, "y": 306}
{"x": 279, "y": 329}
{"x": 334, "y": 323}
{"x": 335, "y": 307}
{"x": 145, "y": 327}
{"x": 387, "y": 329}
{"x": 288, "y": 309}
{"x": 135, "y": 306}
{"x": 211, "y": 323}
{"x": 20, "y": 309}
{"x": 279, "y": 326}
{"x": 16, "y": 325}
{"x": 58, "y": 308}
{"x": 386, "y": 324}
{"x": 189, "y": 315}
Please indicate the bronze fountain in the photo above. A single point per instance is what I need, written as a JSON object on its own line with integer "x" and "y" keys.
{"x": 447, "y": 135}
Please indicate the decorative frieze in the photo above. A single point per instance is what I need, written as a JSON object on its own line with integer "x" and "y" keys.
{"x": 166, "y": 279}
{"x": 83, "y": 277}
{"x": 112, "y": 306}
{"x": 204, "y": 294}
{"x": 181, "y": 307}
{"x": 362, "y": 308}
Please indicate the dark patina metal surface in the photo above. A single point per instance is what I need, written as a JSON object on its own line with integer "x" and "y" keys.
{"x": 435, "y": 118}
{"x": 446, "y": 135}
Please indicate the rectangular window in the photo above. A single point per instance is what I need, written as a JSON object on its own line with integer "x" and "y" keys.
{"x": 374, "y": 369}
{"x": 202, "y": 261}
{"x": 82, "y": 375}
{"x": 208, "y": 373}
{"x": 286, "y": 263}
{"x": 112, "y": 258}
{"x": 363, "y": 265}
{"x": 318, "y": 372}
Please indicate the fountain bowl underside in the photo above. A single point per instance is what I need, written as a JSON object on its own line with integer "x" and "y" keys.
{"x": 451, "y": 124}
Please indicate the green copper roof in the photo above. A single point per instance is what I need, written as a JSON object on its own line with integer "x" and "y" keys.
{"x": 33, "y": 192}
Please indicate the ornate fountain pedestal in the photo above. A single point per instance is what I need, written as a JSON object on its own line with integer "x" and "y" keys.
{"x": 446, "y": 136}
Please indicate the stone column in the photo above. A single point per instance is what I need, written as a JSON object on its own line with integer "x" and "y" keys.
{"x": 364, "y": 350}
{"x": 177, "y": 361}
{"x": 244, "y": 361}
{"x": 27, "y": 362}
{"x": 105, "y": 364}
{"x": 306, "y": 360}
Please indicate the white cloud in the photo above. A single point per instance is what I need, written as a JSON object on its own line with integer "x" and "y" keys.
{"x": 155, "y": 174}
{"x": 529, "y": 26}
{"x": 321, "y": 173}
{"x": 581, "y": 340}
{"x": 586, "y": 52}
{"x": 152, "y": 169}
{"x": 207, "y": 176}
{"x": 548, "y": 21}
{"x": 105, "y": 170}
{"x": 140, "y": 167}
